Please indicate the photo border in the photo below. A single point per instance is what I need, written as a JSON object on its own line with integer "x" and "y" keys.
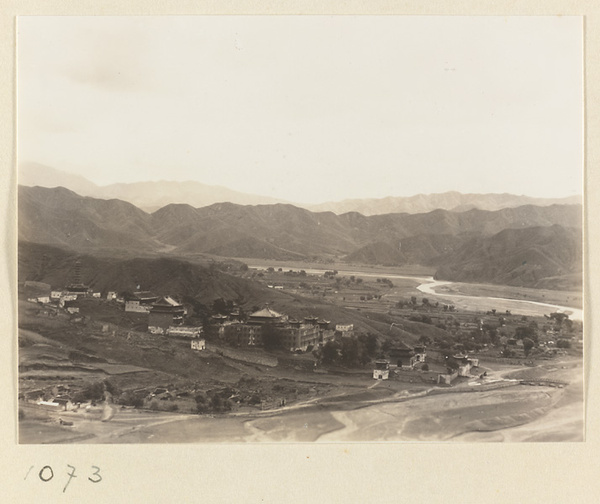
{"x": 271, "y": 472}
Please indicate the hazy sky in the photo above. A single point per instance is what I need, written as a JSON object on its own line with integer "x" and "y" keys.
{"x": 305, "y": 108}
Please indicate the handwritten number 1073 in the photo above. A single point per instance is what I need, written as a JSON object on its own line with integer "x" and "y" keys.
{"x": 46, "y": 474}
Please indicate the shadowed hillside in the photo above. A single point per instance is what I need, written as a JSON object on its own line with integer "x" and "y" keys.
{"x": 454, "y": 241}
{"x": 544, "y": 257}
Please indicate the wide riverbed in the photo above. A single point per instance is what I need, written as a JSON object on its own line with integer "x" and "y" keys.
{"x": 428, "y": 285}
{"x": 506, "y": 412}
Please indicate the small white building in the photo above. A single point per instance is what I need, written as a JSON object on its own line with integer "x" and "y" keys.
{"x": 97, "y": 294}
{"x": 382, "y": 370}
{"x": 43, "y": 299}
{"x": 198, "y": 344}
{"x": 55, "y": 295}
{"x": 184, "y": 332}
{"x": 111, "y": 296}
{"x": 346, "y": 330}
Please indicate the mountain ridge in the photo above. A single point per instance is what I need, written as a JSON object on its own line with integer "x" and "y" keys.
{"x": 153, "y": 195}
{"x": 63, "y": 218}
{"x": 449, "y": 200}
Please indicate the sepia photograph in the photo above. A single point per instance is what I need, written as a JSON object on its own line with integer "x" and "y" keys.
{"x": 300, "y": 229}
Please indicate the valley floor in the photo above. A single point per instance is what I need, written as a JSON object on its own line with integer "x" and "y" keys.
{"x": 490, "y": 410}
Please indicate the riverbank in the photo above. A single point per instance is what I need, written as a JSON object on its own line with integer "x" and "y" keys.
{"x": 568, "y": 299}
{"x": 475, "y": 297}
{"x": 495, "y": 412}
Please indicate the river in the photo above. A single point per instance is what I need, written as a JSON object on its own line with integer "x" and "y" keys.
{"x": 428, "y": 285}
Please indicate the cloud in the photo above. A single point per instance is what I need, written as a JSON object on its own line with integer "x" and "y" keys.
{"x": 113, "y": 56}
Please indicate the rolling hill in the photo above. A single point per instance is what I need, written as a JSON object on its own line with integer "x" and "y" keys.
{"x": 190, "y": 282}
{"x": 443, "y": 238}
{"x": 535, "y": 257}
{"x": 162, "y": 275}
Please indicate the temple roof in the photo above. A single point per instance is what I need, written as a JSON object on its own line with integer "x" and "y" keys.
{"x": 166, "y": 301}
{"x": 266, "y": 313}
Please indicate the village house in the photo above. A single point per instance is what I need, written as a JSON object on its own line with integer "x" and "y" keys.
{"x": 382, "y": 369}
{"x": 345, "y": 330}
{"x": 406, "y": 357}
{"x": 111, "y": 295}
{"x": 64, "y": 401}
{"x": 198, "y": 344}
{"x": 465, "y": 363}
{"x": 78, "y": 290}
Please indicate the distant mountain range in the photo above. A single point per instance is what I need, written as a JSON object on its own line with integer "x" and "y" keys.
{"x": 151, "y": 196}
{"x": 148, "y": 196}
{"x": 518, "y": 246}
{"x": 452, "y": 200}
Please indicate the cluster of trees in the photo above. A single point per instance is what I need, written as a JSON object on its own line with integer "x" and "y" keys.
{"x": 527, "y": 332}
{"x": 215, "y": 402}
{"x": 425, "y": 319}
{"x": 348, "y": 281}
{"x": 386, "y": 281}
{"x": 95, "y": 391}
{"x": 425, "y": 302}
{"x": 301, "y": 273}
{"x": 349, "y": 352}
{"x": 369, "y": 297}
{"x": 222, "y": 306}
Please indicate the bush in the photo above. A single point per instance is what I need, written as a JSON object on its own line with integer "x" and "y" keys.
{"x": 425, "y": 367}
{"x": 92, "y": 392}
{"x": 130, "y": 399}
{"x": 254, "y": 399}
{"x": 154, "y": 405}
{"x": 21, "y": 414}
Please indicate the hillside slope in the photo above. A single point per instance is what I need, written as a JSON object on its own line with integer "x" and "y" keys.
{"x": 534, "y": 257}
{"x": 450, "y": 240}
{"x": 162, "y": 275}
